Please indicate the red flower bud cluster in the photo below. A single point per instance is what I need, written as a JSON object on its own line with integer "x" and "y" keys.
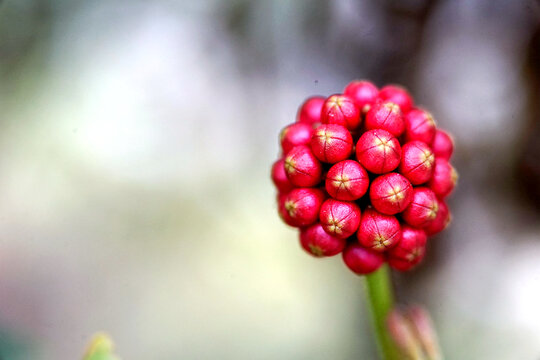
{"x": 365, "y": 173}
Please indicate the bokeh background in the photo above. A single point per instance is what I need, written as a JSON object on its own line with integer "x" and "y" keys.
{"x": 135, "y": 146}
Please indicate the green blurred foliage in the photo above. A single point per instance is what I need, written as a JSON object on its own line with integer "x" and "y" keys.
{"x": 101, "y": 348}
{"x": 13, "y": 346}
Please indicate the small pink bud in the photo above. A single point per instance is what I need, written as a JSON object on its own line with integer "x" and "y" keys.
{"x": 282, "y": 211}
{"x": 318, "y": 242}
{"x": 417, "y": 162}
{"x": 310, "y": 111}
{"x": 302, "y": 167}
{"x": 441, "y": 221}
{"x": 419, "y": 125}
{"x": 361, "y": 260}
{"x": 397, "y": 95}
{"x": 377, "y": 231}
{"x": 442, "y": 145}
{"x": 444, "y": 178}
{"x": 378, "y": 151}
{"x": 279, "y": 177}
{"x": 425, "y": 331}
{"x": 422, "y": 210}
{"x": 403, "y": 334}
{"x": 347, "y": 180}
{"x": 301, "y": 206}
{"x": 390, "y": 193}
{"x": 386, "y": 116}
{"x": 340, "y": 218}
{"x": 294, "y": 135}
{"x": 364, "y": 94}
{"x": 331, "y": 143}
{"x": 409, "y": 251}
{"x": 341, "y": 110}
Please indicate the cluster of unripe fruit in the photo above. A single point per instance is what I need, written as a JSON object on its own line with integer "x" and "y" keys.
{"x": 365, "y": 173}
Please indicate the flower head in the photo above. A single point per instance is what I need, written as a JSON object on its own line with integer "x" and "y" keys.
{"x": 366, "y": 173}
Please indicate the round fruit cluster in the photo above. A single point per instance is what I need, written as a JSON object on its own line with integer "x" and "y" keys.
{"x": 365, "y": 173}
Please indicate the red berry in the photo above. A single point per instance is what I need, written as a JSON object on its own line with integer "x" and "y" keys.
{"x": 390, "y": 193}
{"x": 331, "y": 143}
{"x": 347, "y": 180}
{"x": 409, "y": 251}
{"x": 364, "y": 94}
{"x": 377, "y": 231}
{"x": 301, "y": 206}
{"x": 318, "y": 242}
{"x": 310, "y": 111}
{"x": 397, "y": 95}
{"x": 361, "y": 260}
{"x": 340, "y": 218}
{"x": 442, "y": 145}
{"x": 417, "y": 162}
{"x": 294, "y": 135}
{"x": 279, "y": 177}
{"x": 378, "y": 151}
{"x": 341, "y": 110}
{"x": 423, "y": 208}
{"x": 386, "y": 116}
{"x": 302, "y": 167}
{"x": 419, "y": 125}
{"x": 441, "y": 221}
{"x": 444, "y": 178}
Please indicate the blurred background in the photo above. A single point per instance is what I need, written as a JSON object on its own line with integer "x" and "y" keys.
{"x": 136, "y": 141}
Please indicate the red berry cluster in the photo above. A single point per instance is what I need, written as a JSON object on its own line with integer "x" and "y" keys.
{"x": 365, "y": 173}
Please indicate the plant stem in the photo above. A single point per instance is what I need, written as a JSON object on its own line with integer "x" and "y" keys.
{"x": 381, "y": 300}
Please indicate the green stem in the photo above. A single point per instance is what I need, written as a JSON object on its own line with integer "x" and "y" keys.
{"x": 381, "y": 300}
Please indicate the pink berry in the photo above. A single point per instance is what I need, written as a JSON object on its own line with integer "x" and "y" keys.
{"x": 377, "y": 231}
{"x": 417, "y": 162}
{"x": 444, "y": 178}
{"x": 419, "y": 125}
{"x": 423, "y": 208}
{"x": 279, "y": 177}
{"x": 390, "y": 193}
{"x": 378, "y": 151}
{"x": 319, "y": 243}
{"x": 294, "y": 135}
{"x": 302, "y": 167}
{"x": 361, "y": 260}
{"x": 442, "y": 145}
{"x": 341, "y": 110}
{"x": 310, "y": 111}
{"x": 409, "y": 251}
{"x": 397, "y": 95}
{"x": 441, "y": 221}
{"x": 340, "y": 218}
{"x": 301, "y": 206}
{"x": 347, "y": 180}
{"x": 331, "y": 143}
{"x": 386, "y": 116}
{"x": 364, "y": 94}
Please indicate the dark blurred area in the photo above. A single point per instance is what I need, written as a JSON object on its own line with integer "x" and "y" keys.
{"x": 136, "y": 144}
